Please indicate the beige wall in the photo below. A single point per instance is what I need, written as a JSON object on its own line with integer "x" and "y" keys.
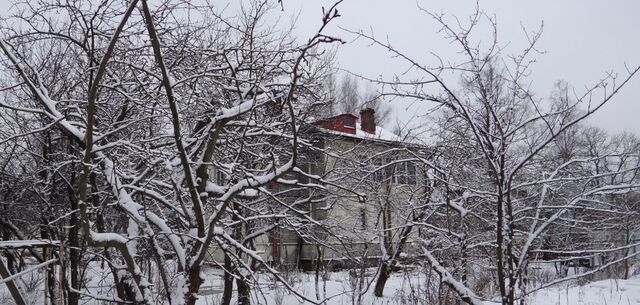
{"x": 349, "y": 165}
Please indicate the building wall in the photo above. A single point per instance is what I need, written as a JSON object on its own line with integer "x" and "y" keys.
{"x": 359, "y": 218}
{"x": 352, "y": 209}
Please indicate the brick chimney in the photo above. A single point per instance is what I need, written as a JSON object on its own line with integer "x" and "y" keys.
{"x": 368, "y": 121}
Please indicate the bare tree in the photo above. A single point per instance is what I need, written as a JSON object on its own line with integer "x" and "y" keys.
{"x": 507, "y": 131}
{"x": 350, "y": 98}
{"x": 349, "y": 95}
{"x": 150, "y": 101}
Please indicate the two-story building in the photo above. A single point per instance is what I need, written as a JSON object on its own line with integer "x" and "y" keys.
{"x": 371, "y": 176}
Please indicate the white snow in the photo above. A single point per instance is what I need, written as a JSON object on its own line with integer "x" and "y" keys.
{"x": 381, "y": 134}
{"x": 214, "y": 188}
{"x": 612, "y": 291}
{"x": 10, "y": 244}
{"x": 107, "y": 237}
{"x": 402, "y": 288}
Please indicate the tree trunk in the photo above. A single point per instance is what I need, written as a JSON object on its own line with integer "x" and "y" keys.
{"x": 385, "y": 272}
{"x": 317, "y": 273}
{"x": 195, "y": 281}
{"x": 627, "y": 251}
{"x": 11, "y": 285}
{"x": 74, "y": 253}
{"x": 228, "y": 281}
{"x": 244, "y": 291}
{"x": 50, "y": 274}
{"x": 387, "y": 266}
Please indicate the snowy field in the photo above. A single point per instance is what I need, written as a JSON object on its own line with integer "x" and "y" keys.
{"x": 409, "y": 289}
{"x": 605, "y": 292}
{"x": 338, "y": 289}
{"x": 403, "y": 290}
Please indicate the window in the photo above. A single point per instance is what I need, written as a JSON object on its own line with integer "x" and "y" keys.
{"x": 383, "y": 169}
{"x": 411, "y": 173}
{"x": 398, "y": 172}
{"x": 319, "y": 207}
{"x": 349, "y": 122}
{"x": 389, "y": 169}
{"x": 363, "y": 218}
{"x": 220, "y": 177}
{"x": 378, "y": 175}
{"x": 401, "y": 173}
{"x": 311, "y": 161}
{"x": 405, "y": 173}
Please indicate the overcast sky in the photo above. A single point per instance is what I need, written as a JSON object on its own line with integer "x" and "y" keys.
{"x": 583, "y": 39}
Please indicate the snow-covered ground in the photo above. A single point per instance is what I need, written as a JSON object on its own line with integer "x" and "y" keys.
{"x": 409, "y": 289}
{"x": 338, "y": 289}
{"x": 605, "y": 292}
{"x": 402, "y": 288}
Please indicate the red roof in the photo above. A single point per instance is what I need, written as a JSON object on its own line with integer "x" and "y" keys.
{"x": 345, "y": 122}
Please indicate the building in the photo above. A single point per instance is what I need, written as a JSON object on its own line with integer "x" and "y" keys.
{"x": 369, "y": 176}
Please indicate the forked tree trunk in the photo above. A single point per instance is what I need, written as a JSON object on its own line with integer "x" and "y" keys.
{"x": 387, "y": 266}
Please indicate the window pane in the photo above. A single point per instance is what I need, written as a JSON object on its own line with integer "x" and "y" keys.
{"x": 349, "y": 122}
{"x": 401, "y": 172}
{"x": 411, "y": 173}
{"x": 220, "y": 177}
{"x": 390, "y": 170}
{"x": 379, "y": 173}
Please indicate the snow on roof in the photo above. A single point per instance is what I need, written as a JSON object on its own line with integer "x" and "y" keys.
{"x": 381, "y": 134}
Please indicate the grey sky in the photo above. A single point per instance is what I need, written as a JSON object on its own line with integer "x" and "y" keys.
{"x": 583, "y": 40}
